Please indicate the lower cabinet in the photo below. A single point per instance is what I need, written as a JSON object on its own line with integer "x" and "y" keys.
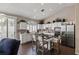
{"x": 25, "y": 37}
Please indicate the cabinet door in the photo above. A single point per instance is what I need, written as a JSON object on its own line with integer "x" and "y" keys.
{"x": 23, "y": 25}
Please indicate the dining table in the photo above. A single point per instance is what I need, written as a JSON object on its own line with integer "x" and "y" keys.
{"x": 53, "y": 41}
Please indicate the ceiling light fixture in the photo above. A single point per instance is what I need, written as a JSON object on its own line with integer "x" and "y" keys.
{"x": 43, "y": 14}
{"x": 50, "y": 9}
{"x": 34, "y": 16}
{"x": 42, "y": 10}
{"x": 34, "y": 10}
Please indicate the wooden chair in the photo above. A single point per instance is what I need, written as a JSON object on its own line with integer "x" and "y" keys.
{"x": 41, "y": 45}
{"x": 56, "y": 45}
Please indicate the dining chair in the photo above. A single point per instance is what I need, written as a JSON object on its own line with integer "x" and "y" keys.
{"x": 42, "y": 45}
{"x": 56, "y": 45}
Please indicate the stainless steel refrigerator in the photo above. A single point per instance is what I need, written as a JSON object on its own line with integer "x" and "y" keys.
{"x": 68, "y": 36}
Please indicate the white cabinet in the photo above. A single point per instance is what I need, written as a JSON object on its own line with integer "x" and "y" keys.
{"x": 23, "y": 25}
{"x": 25, "y": 37}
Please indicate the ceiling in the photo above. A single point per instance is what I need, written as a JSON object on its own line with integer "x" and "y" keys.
{"x": 37, "y": 11}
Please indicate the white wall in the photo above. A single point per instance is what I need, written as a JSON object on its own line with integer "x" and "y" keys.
{"x": 67, "y": 13}
{"x": 77, "y": 30}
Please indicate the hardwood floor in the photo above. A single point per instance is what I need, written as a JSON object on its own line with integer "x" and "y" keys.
{"x": 26, "y": 49}
{"x": 64, "y": 50}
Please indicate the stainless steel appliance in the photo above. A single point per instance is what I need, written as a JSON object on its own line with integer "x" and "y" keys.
{"x": 68, "y": 38}
{"x": 70, "y": 34}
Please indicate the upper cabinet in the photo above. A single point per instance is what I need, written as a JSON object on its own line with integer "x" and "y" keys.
{"x": 23, "y": 25}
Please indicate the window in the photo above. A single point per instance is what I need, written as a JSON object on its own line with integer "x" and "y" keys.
{"x": 7, "y": 26}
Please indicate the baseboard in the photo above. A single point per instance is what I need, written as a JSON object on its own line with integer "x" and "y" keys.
{"x": 27, "y": 42}
{"x": 76, "y": 53}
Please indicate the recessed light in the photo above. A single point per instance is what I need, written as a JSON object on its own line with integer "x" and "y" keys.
{"x": 50, "y": 9}
{"x": 34, "y": 16}
{"x": 43, "y": 13}
{"x": 2, "y": 14}
{"x": 34, "y": 10}
{"x": 0, "y": 20}
{"x": 42, "y": 3}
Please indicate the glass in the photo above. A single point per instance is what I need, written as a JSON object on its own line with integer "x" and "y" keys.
{"x": 3, "y": 27}
{"x": 7, "y": 26}
{"x": 11, "y": 27}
